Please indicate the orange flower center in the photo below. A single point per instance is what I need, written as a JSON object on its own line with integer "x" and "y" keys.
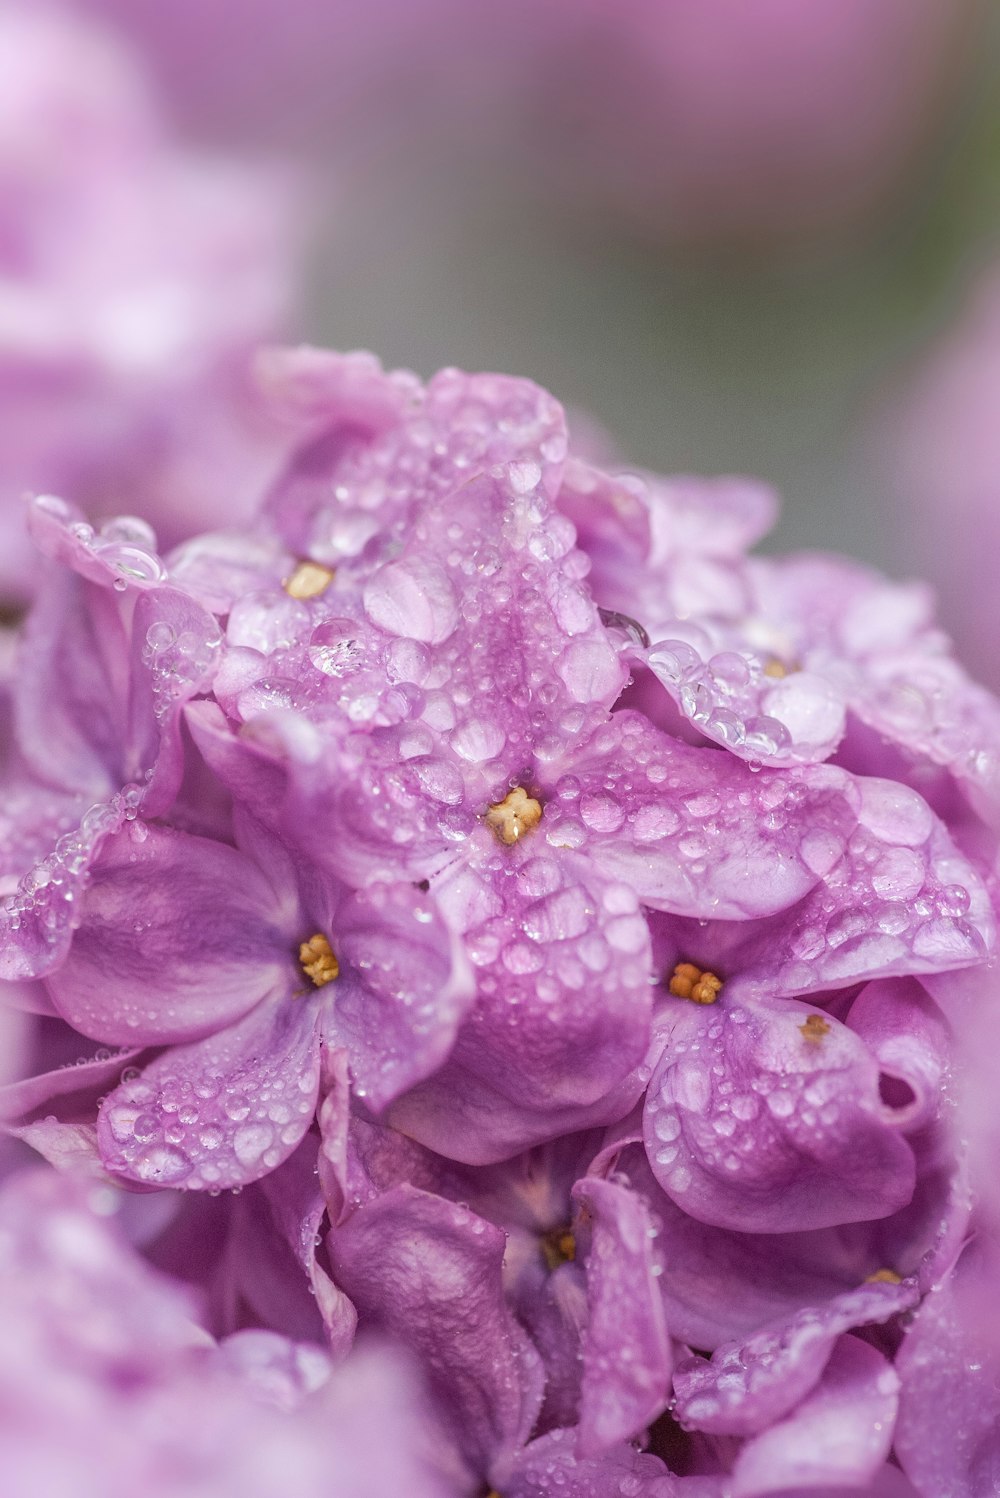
{"x": 317, "y": 960}
{"x": 697, "y": 984}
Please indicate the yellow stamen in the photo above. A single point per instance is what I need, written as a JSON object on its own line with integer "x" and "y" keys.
{"x": 774, "y": 667}
{"x": 558, "y": 1247}
{"x": 317, "y": 960}
{"x": 884, "y": 1277}
{"x": 814, "y": 1029}
{"x": 309, "y": 580}
{"x": 515, "y": 815}
{"x": 690, "y": 982}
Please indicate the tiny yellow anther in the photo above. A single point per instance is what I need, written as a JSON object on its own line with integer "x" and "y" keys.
{"x": 515, "y": 815}
{"x": 309, "y": 580}
{"x": 814, "y": 1028}
{"x": 558, "y": 1247}
{"x": 317, "y": 960}
{"x": 690, "y": 982}
{"x": 884, "y": 1277}
{"x": 775, "y": 667}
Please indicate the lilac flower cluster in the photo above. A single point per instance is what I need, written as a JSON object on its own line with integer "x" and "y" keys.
{"x": 515, "y": 925}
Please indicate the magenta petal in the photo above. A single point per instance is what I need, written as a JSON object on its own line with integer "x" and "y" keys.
{"x": 758, "y": 1121}
{"x": 403, "y": 988}
{"x": 178, "y": 937}
{"x": 279, "y": 1372}
{"x": 627, "y": 1355}
{"x": 839, "y": 1436}
{"x": 222, "y": 1111}
{"x": 747, "y": 1386}
{"x": 903, "y": 900}
{"x": 428, "y": 1273}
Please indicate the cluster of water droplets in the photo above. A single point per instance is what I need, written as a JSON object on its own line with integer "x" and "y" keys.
{"x": 750, "y": 703}
{"x": 208, "y": 1128}
{"x": 897, "y": 899}
{"x": 713, "y": 1111}
{"x": 124, "y": 547}
{"x": 46, "y": 905}
{"x": 179, "y": 661}
{"x": 457, "y": 426}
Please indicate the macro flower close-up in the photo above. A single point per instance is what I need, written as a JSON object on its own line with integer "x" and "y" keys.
{"x": 498, "y": 939}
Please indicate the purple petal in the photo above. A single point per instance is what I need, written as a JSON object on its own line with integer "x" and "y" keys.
{"x": 657, "y": 545}
{"x": 733, "y": 700}
{"x": 748, "y": 1386}
{"x": 627, "y": 1355}
{"x": 179, "y": 936}
{"x": 115, "y": 654}
{"x": 427, "y": 1272}
{"x": 279, "y": 1372}
{"x": 71, "y": 706}
{"x": 695, "y": 831}
{"x": 111, "y": 1318}
{"x": 37, "y": 921}
{"x": 70, "y": 1147}
{"x": 297, "y": 1206}
{"x": 723, "y": 1286}
{"x": 19, "y": 1099}
{"x": 907, "y": 1034}
{"x": 762, "y": 1120}
{"x": 839, "y": 1436}
{"x": 404, "y": 986}
{"x": 560, "y": 1021}
{"x": 551, "y": 1465}
{"x": 222, "y": 1111}
{"x": 175, "y": 645}
{"x": 366, "y": 423}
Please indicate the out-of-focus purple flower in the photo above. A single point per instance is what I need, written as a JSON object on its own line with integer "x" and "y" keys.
{"x": 110, "y": 1386}
{"x": 714, "y": 120}
{"x": 134, "y": 282}
{"x": 948, "y": 1438}
{"x": 940, "y": 446}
